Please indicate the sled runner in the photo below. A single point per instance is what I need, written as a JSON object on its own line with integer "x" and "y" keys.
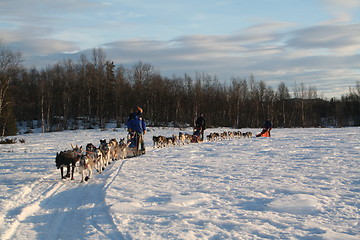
{"x": 135, "y": 147}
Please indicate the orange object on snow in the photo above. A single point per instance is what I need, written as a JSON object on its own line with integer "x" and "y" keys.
{"x": 264, "y": 133}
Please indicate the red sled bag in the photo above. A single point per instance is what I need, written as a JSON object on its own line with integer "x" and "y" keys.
{"x": 264, "y": 133}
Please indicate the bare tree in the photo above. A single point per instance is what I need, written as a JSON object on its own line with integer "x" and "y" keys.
{"x": 99, "y": 78}
{"x": 283, "y": 96}
{"x": 9, "y": 68}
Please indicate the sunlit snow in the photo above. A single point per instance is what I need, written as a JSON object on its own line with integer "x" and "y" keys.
{"x": 298, "y": 184}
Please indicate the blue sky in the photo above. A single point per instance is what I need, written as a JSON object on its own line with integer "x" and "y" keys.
{"x": 315, "y": 42}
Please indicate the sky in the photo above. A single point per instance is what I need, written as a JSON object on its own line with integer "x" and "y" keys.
{"x": 314, "y": 42}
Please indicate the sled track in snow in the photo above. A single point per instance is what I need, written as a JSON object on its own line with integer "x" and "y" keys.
{"x": 18, "y": 214}
{"x": 55, "y": 202}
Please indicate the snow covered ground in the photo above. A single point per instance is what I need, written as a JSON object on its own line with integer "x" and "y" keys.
{"x": 298, "y": 184}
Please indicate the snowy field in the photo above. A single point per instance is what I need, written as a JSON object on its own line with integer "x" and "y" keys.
{"x": 298, "y": 184}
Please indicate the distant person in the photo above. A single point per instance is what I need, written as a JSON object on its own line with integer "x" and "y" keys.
{"x": 137, "y": 128}
{"x": 200, "y": 125}
{"x": 266, "y": 129}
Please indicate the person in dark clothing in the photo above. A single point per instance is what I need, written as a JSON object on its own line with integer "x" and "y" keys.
{"x": 266, "y": 129}
{"x": 200, "y": 125}
{"x": 267, "y": 124}
{"x": 136, "y": 127}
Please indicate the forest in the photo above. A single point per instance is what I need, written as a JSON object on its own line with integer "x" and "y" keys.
{"x": 93, "y": 91}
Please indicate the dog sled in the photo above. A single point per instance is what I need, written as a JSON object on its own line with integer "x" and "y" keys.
{"x": 264, "y": 133}
{"x": 135, "y": 145}
{"x": 195, "y": 138}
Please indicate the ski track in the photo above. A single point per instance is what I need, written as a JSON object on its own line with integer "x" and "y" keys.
{"x": 290, "y": 186}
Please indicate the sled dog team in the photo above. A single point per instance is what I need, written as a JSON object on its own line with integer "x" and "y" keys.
{"x": 90, "y": 158}
{"x": 99, "y": 158}
{"x": 184, "y": 138}
{"x": 228, "y": 135}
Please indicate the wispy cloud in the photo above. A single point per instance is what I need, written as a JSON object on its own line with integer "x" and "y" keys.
{"x": 343, "y": 10}
{"x": 341, "y": 39}
{"x": 284, "y": 55}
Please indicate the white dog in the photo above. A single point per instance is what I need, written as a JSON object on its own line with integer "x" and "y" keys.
{"x": 86, "y": 166}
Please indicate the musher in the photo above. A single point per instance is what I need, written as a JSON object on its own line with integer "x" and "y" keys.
{"x": 137, "y": 128}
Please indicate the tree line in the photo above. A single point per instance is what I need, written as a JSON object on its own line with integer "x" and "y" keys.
{"x": 93, "y": 91}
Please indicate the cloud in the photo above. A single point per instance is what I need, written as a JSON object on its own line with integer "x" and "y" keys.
{"x": 272, "y": 51}
{"x": 46, "y": 46}
{"x": 68, "y": 20}
{"x": 342, "y": 39}
{"x": 41, "y": 7}
{"x": 32, "y": 41}
{"x": 324, "y": 56}
{"x": 341, "y": 10}
{"x": 308, "y": 55}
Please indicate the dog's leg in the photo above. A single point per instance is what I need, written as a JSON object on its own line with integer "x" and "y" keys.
{"x": 90, "y": 171}
{"x": 68, "y": 171}
{"x": 123, "y": 153}
{"x": 72, "y": 171}
{"x": 100, "y": 165}
{"x": 106, "y": 162}
{"x": 97, "y": 162}
{"x": 109, "y": 157}
{"x": 82, "y": 174}
{"x": 62, "y": 173}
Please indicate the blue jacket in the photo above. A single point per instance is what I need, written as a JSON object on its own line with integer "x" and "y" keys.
{"x": 267, "y": 124}
{"x": 136, "y": 123}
